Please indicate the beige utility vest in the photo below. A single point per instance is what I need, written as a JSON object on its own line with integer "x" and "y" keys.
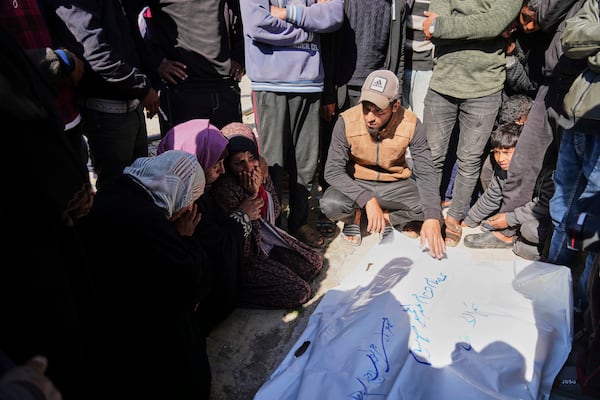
{"x": 379, "y": 158}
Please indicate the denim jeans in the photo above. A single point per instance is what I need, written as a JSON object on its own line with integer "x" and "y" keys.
{"x": 475, "y": 119}
{"x": 576, "y": 178}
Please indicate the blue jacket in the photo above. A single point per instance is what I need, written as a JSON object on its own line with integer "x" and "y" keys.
{"x": 285, "y": 55}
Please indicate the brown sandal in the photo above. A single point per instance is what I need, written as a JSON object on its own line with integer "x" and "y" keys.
{"x": 310, "y": 236}
{"x": 452, "y": 235}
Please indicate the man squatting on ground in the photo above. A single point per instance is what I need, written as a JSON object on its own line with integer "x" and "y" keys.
{"x": 367, "y": 168}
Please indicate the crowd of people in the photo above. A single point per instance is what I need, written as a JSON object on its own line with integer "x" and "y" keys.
{"x": 391, "y": 106}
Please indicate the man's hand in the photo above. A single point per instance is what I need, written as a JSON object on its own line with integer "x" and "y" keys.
{"x": 327, "y": 111}
{"x": 375, "y": 217}
{"x": 431, "y": 16}
{"x": 33, "y": 372}
{"x": 237, "y": 71}
{"x": 172, "y": 71}
{"x": 151, "y": 102}
{"x": 431, "y": 236}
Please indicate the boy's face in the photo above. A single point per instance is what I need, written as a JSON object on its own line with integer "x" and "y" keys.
{"x": 527, "y": 20}
{"x": 503, "y": 157}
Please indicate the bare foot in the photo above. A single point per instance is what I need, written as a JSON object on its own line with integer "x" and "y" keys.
{"x": 452, "y": 231}
{"x": 500, "y": 236}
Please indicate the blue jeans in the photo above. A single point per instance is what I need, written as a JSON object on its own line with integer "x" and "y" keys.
{"x": 576, "y": 178}
{"x": 475, "y": 119}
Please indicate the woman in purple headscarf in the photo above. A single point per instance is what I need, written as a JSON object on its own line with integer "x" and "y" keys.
{"x": 222, "y": 234}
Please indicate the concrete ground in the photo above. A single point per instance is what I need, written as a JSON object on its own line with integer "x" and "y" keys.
{"x": 247, "y": 347}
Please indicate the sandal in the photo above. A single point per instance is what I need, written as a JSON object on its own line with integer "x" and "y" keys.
{"x": 351, "y": 234}
{"x": 307, "y": 234}
{"x": 452, "y": 235}
{"x": 325, "y": 226}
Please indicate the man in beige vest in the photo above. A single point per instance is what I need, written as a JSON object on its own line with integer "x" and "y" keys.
{"x": 367, "y": 169}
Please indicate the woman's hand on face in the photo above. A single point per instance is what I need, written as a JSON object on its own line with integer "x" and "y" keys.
{"x": 251, "y": 181}
{"x": 186, "y": 220}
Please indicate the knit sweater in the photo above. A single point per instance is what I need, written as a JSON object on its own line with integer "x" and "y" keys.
{"x": 368, "y": 40}
{"x": 469, "y": 57}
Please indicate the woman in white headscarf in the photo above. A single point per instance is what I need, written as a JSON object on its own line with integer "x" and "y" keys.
{"x": 150, "y": 273}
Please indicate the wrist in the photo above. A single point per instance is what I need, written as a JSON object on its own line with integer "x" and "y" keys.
{"x": 432, "y": 27}
{"x": 66, "y": 61}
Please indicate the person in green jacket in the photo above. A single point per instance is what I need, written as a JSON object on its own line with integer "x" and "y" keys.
{"x": 465, "y": 89}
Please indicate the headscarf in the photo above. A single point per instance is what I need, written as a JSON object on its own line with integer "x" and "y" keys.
{"x": 238, "y": 128}
{"x": 241, "y": 138}
{"x": 174, "y": 179}
{"x": 196, "y": 136}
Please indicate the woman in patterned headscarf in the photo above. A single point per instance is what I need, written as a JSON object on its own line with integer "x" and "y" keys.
{"x": 278, "y": 268}
{"x": 221, "y": 234}
{"x": 150, "y": 274}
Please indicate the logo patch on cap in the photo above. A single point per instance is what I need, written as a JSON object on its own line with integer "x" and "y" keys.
{"x": 378, "y": 84}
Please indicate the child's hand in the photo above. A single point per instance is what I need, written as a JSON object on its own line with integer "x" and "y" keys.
{"x": 498, "y": 221}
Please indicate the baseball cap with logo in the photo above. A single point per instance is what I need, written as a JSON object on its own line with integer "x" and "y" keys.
{"x": 380, "y": 88}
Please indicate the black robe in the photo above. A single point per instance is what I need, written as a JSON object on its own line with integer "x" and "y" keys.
{"x": 149, "y": 280}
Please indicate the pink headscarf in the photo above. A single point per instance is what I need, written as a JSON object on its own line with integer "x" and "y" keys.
{"x": 198, "y": 137}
